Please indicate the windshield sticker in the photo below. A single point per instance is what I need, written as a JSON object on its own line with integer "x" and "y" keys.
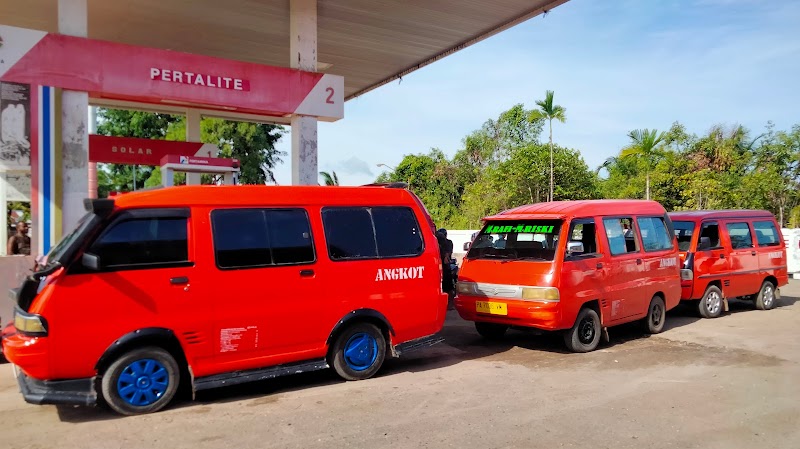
{"x": 493, "y": 229}
{"x": 385, "y": 274}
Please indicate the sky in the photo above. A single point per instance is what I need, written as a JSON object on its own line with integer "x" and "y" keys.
{"x": 615, "y": 65}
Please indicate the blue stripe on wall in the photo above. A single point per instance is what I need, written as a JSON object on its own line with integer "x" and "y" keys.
{"x": 47, "y": 172}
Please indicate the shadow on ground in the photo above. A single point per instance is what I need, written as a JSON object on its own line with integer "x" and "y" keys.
{"x": 462, "y": 343}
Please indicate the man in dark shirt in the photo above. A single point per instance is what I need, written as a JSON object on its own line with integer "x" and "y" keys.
{"x": 19, "y": 243}
{"x": 446, "y": 253}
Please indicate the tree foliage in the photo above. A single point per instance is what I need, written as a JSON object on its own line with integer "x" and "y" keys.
{"x": 725, "y": 168}
{"x": 501, "y": 165}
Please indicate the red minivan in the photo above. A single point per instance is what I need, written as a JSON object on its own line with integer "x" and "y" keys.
{"x": 730, "y": 253}
{"x": 208, "y": 286}
{"x": 576, "y": 267}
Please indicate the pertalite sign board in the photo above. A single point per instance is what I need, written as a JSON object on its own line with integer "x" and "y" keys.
{"x": 123, "y": 72}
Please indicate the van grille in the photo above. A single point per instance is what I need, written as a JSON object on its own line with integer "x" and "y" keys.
{"x": 497, "y": 290}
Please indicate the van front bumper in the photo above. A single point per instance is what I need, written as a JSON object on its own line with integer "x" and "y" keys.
{"x": 537, "y": 314}
{"x": 57, "y": 392}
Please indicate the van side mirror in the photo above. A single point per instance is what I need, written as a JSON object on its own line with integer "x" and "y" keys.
{"x": 705, "y": 243}
{"x": 467, "y": 245}
{"x": 574, "y": 247}
{"x": 91, "y": 261}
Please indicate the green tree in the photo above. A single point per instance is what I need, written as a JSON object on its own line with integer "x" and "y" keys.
{"x": 253, "y": 144}
{"x": 645, "y": 147}
{"x": 549, "y": 111}
{"x": 330, "y": 179}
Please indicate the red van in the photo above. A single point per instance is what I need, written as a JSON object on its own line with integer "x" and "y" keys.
{"x": 572, "y": 266}
{"x": 730, "y": 253}
{"x": 208, "y": 286}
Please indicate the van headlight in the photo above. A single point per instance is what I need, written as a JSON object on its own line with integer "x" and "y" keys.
{"x": 465, "y": 288}
{"x": 540, "y": 294}
{"x": 30, "y": 324}
{"x": 687, "y": 275}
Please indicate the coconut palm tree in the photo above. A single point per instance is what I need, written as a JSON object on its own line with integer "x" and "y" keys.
{"x": 548, "y": 111}
{"x": 330, "y": 178}
{"x": 646, "y": 146}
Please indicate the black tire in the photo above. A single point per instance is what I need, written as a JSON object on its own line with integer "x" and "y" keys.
{"x": 710, "y": 306}
{"x": 767, "y": 297}
{"x": 491, "y": 331}
{"x": 656, "y": 316}
{"x": 141, "y": 381}
{"x": 358, "y": 352}
{"x": 584, "y": 336}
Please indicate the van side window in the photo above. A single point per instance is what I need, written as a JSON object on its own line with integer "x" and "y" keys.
{"x": 248, "y": 238}
{"x": 766, "y": 234}
{"x": 711, "y": 230}
{"x": 740, "y": 235}
{"x": 584, "y": 231}
{"x": 621, "y": 235}
{"x": 143, "y": 241}
{"x": 654, "y": 234}
{"x": 371, "y": 232}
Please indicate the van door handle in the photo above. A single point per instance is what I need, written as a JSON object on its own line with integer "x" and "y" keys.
{"x": 638, "y": 261}
{"x": 722, "y": 256}
{"x": 306, "y": 273}
{"x": 752, "y": 253}
{"x": 179, "y": 281}
{"x": 599, "y": 265}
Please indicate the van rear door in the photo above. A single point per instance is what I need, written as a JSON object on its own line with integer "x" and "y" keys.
{"x": 771, "y": 249}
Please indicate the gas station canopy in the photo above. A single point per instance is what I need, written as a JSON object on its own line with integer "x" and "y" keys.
{"x": 368, "y": 42}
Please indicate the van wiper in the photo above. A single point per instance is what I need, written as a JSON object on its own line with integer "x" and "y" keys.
{"x": 47, "y": 271}
{"x": 524, "y": 258}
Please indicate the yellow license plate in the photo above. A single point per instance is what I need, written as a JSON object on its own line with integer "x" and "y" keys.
{"x": 494, "y": 308}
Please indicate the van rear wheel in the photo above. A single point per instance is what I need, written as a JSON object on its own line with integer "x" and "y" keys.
{"x": 359, "y": 352}
{"x": 710, "y": 306}
{"x": 656, "y": 316}
{"x": 767, "y": 296}
{"x": 141, "y": 381}
{"x": 584, "y": 336}
{"x": 491, "y": 331}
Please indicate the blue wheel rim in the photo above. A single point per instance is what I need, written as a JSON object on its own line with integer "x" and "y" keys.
{"x": 360, "y": 351}
{"x": 143, "y": 382}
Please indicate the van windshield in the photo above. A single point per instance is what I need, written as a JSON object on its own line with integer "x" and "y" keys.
{"x": 68, "y": 242}
{"x": 517, "y": 240}
{"x": 684, "y": 231}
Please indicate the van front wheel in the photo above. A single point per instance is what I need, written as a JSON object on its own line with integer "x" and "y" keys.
{"x": 359, "y": 352}
{"x": 711, "y": 304}
{"x": 766, "y": 297}
{"x": 141, "y": 381}
{"x": 585, "y": 333}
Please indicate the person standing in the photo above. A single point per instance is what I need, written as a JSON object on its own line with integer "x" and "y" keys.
{"x": 19, "y": 243}
{"x": 446, "y": 253}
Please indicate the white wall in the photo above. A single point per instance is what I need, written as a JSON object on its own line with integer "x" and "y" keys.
{"x": 459, "y": 237}
{"x": 792, "y": 237}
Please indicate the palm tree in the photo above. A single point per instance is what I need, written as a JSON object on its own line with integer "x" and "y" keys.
{"x": 548, "y": 111}
{"x": 330, "y": 178}
{"x": 645, "y": 146}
